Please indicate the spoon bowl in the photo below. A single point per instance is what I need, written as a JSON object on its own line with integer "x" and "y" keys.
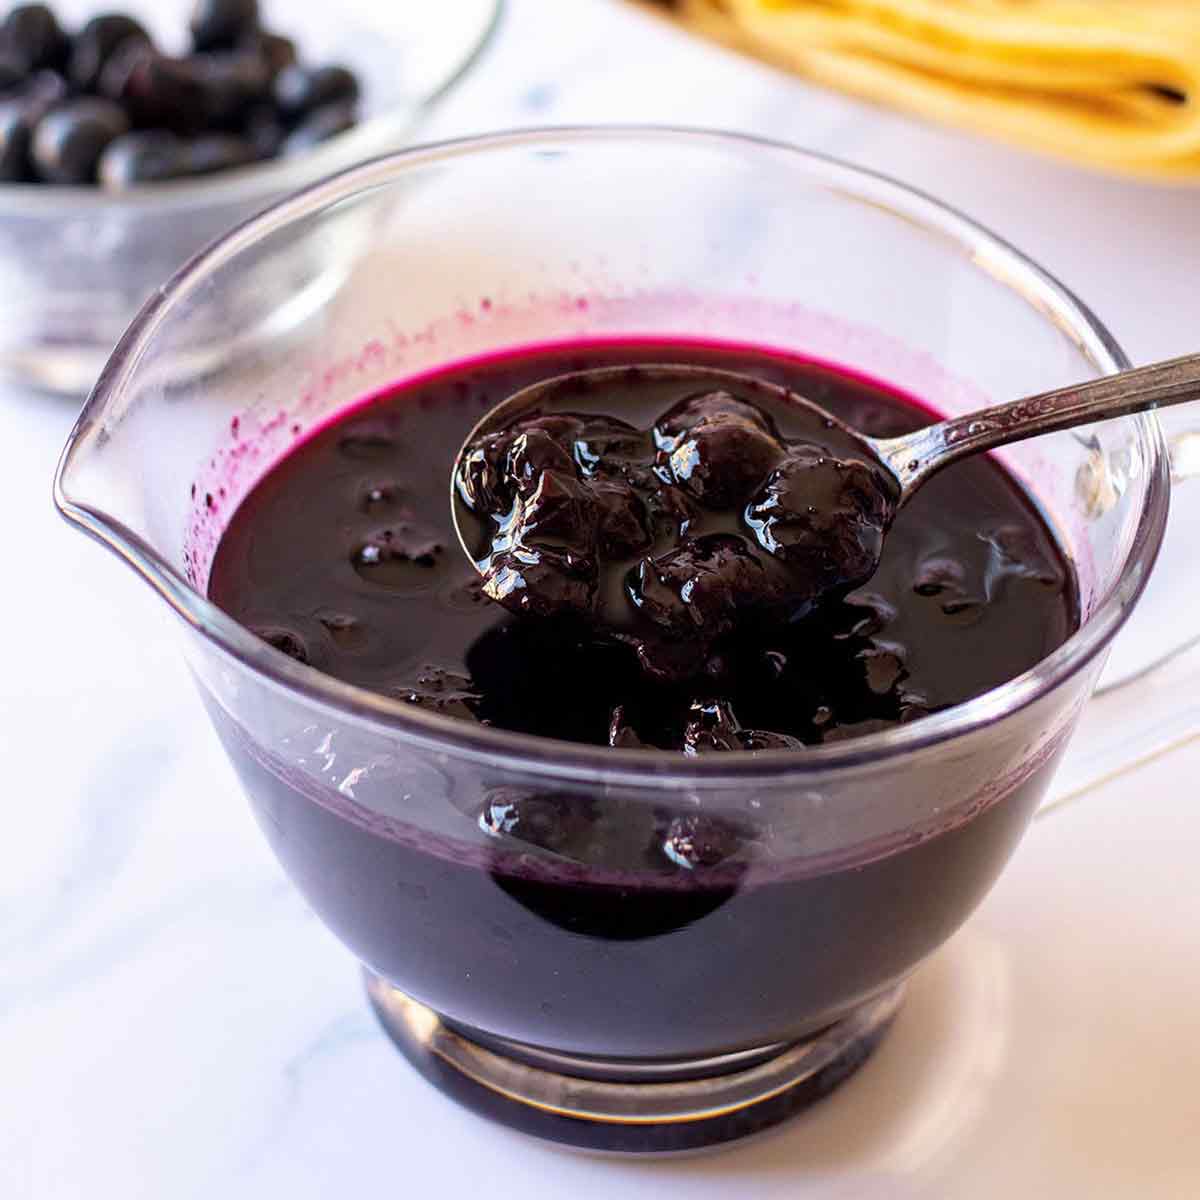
{"x": 896, "y": 467}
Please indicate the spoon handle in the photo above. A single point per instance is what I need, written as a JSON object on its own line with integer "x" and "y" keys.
{"x": 916, "y": 456}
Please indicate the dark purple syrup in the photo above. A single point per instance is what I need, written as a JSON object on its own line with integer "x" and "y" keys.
{"x": 582, "y": 919}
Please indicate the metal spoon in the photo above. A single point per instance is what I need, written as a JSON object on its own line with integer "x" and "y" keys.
{"x": 909, "y": 459}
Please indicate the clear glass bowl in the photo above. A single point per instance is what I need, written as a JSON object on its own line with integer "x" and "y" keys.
{"x": 77, "y": 263}
{"x": 601, "y": 1002}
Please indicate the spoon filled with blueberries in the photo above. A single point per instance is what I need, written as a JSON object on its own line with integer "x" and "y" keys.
{"x": 666, "y": 504}
{"x": 103, "y": 105}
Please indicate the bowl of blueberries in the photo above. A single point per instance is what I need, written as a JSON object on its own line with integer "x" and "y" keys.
{"x": 128, "y": 139}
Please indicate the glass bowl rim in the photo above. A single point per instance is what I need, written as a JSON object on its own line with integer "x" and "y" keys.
{"x": 535, "y": 754}
{"x": 263, "y": 181}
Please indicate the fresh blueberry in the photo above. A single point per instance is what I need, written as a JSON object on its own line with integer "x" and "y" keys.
{"x": 217, "y": 152}
{"x": 31, "y": 34}
{"x": 233, "y": 81}
{"x": 148, "y": 156}
{"x": 221, "y": 24}
{"x": 263, "y": 130}
{"x": 13, "y": 71}
{"x": 69, "y": 140}
{"x": 96, "y": 43}
{"x": 156, "y": 91}
{"x": 319, "y": 126}
{"x": 277, "y": 51}
{"x": 302, "y": 90}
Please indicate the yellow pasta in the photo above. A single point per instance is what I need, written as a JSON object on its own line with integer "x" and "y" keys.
{"x": 1114, "y": 84}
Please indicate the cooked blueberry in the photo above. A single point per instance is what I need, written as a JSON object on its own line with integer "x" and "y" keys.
{"x": 320, "y": 125}
{"x": 301, "y": 90}
{"x": 711, "y": 726}
{"x": 621, "y": 734}
{"x": 217, "y": 152}
{"x": 938, "y": 574}
{"x": 698, "y": 840}
{"x": 148, "y": 156}
{"x": 156, "y": 91}
{"x": 723, "y": 450}
{"x": 556, "y": 821}
{"x": 533, "y": 451}
{"x": 542, "y": 582}
{"x": 400, "y": 556}
{"x": 673, "y": 513}
{"x": 68, "y": 140}
{"x": 623, "y": 518}
{"x": 559, "y": 513}
{"x": 31, "y": 34}
{"x": 913, "y": 706}
{"x": 883, "y": 667}
{"x": 709, "y": 406}
{"x": 284, "y": 640}
{"x": 481, "y": 478}
{"x": 367, "y": 445}
{"x": 220, "y": 24}
{"x": 345, "y": 629}
{"x": 20, "y": 113}
{"x": 441, "y": 690}
{"x": 825, "y": 517}
{"x": 606, "y": 447}
{"x": 877, "y": 614}
{"x": 96, "y": 43}
{"x": 699, "y": 587}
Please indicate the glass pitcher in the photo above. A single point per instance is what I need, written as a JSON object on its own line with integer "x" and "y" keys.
{"x": 595, "y": 1004}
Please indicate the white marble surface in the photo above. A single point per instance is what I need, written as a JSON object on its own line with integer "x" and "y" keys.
{"x": 174, "y": 1023}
